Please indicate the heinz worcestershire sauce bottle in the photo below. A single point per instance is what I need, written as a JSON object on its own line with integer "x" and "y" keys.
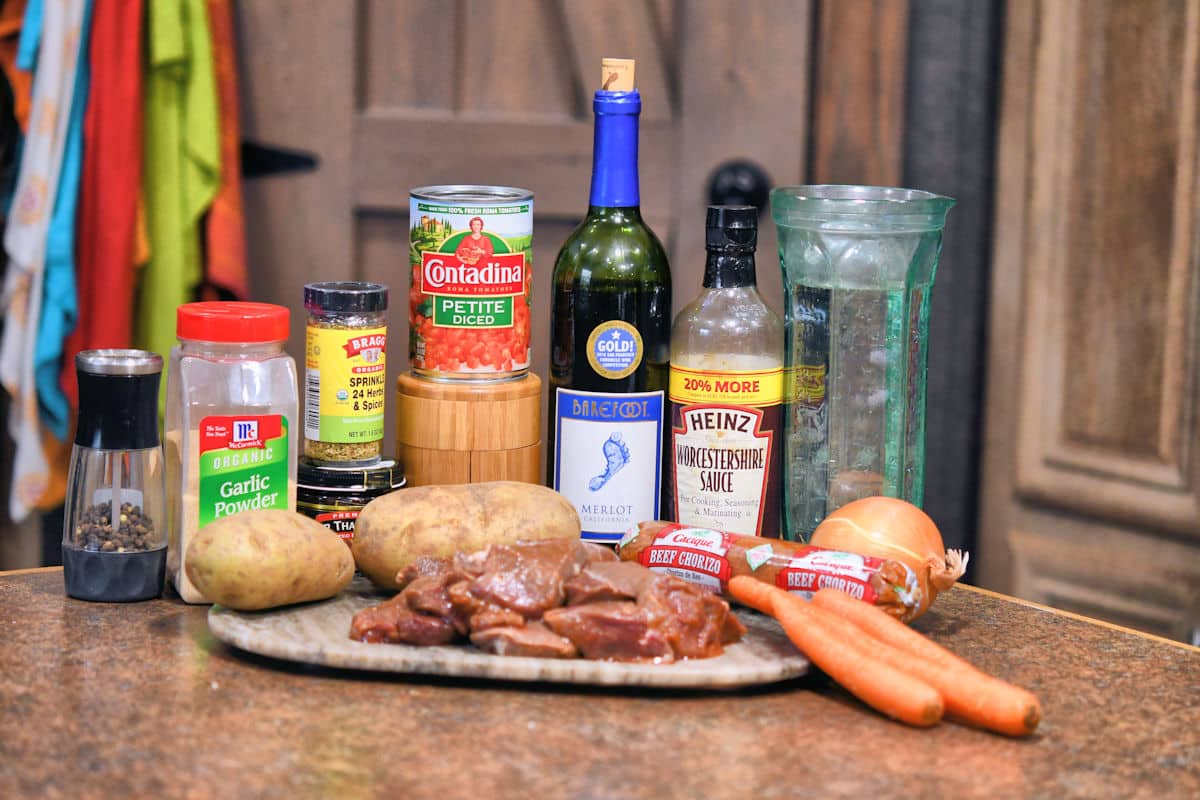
{"x": 726, "y": 390}
{"x": 610, "y": 328}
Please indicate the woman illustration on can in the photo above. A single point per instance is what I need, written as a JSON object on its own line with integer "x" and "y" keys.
{"x": 475, "y": 246}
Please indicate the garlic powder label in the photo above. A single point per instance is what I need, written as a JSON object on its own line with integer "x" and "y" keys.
{"x": 243, "y": 464}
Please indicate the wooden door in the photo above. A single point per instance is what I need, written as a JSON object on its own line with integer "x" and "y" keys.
{"x": 394, "y": 94}
{"x": 1091, "y": 493}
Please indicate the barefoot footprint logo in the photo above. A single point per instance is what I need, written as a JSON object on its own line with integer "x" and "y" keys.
{"x": 616, "y": 456}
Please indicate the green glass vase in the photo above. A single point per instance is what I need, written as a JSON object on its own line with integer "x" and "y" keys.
{"x": 858, "y": 265}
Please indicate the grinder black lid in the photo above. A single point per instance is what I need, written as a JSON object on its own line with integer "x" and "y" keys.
{"x": 118, "y": 399}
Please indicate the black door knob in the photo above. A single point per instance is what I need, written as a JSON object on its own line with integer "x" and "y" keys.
{"x": 739, "y": 183}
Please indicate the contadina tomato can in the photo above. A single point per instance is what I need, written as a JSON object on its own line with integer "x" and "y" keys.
{"x": 471, "y": 256}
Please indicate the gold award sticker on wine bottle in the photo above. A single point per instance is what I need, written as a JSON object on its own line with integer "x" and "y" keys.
{"x": 614, "y": 349}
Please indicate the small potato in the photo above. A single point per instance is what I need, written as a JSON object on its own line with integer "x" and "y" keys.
{"x": 267, "y": 558}
{"x": 394, "y": 530}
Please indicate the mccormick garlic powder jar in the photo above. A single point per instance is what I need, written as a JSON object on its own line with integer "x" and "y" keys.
{"x": 230, "y": 441}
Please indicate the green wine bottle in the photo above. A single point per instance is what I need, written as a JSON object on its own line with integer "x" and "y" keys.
{"x": 610, "y": 323}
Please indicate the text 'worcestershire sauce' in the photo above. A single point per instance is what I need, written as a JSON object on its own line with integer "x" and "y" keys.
{"x": 610, "y": 328}
{"x": 726, "y": 390}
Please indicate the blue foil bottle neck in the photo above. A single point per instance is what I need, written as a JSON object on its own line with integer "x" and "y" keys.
{"x": 615, "y": 150}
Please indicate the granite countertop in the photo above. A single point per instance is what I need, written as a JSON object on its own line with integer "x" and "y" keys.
{"x": 139, "y": 700}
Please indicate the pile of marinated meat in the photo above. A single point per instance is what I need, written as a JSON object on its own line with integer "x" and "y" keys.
{"x": 558, "y": 598}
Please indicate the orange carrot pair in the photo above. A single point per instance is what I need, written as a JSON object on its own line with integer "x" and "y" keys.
{"x": 888, "y": 665}
{"x": 853, "y": 661}
{"x": 970, "y": 695}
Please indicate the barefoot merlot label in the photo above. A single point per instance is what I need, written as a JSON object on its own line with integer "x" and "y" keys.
{"x": 608, "y": 458}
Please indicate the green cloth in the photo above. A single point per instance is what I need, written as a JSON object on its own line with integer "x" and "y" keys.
{"x": 182, "y": 167}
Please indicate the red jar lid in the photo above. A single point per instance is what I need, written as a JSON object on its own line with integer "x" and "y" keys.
{"x": 220, "y": 321}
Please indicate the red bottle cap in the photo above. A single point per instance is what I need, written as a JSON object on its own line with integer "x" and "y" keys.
{"x": 220, "y": 321}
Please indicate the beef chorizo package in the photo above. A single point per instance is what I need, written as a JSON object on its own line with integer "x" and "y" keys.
{"x": 709, "y": 558}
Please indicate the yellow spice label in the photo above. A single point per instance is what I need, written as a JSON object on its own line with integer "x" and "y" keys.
{"x": 758, "y": 387}
{"x": 345, "y": 383}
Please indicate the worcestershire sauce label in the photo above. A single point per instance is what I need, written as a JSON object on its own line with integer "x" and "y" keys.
{"x": 243, "y": 464}
{"x": 608, "y": 458}
{"x": 726, "y": 441}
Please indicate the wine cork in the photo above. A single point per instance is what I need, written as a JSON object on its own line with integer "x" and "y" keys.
{"x": 616, "y": 74}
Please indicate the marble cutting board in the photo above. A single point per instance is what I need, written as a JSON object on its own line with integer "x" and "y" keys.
{"x": 318, "y": 633}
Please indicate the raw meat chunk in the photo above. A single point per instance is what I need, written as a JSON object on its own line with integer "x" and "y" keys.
{"x": 528, "y": 577}
{"x": 598, "y": 553}
{"x": 534, "y": 639}
{"x": 617, "y": 580}
{"x": 396, "y": 623}
{"x": 616, "y": 631}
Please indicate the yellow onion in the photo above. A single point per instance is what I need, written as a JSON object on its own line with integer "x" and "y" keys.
{"x": 886, "y": 527}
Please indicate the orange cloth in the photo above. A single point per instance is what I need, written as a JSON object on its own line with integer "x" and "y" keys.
{"x": 58, "y": 454}
{"x": 225, "y": 274}
{"x": 12, "y": 15}
{"x": 141, "y": 233}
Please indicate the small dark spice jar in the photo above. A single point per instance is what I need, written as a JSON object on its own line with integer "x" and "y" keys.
{"x": 334, "y": 496}
{"x": 114, "y": 538}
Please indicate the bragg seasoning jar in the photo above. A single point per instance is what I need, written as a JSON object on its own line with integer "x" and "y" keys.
{"x": 345, "y": 371}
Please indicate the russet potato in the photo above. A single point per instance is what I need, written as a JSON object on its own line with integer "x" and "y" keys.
{"x": 267, "y": 558}
{"x": 394, "y": 530}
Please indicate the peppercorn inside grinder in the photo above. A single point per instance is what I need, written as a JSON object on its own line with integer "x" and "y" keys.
{"x": 114, "y": 537}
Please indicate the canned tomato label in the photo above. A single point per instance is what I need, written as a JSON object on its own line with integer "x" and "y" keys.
{"x": 470, "y": 252}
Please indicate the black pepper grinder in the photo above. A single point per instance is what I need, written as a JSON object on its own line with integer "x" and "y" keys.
{"x": 114, "y": 533}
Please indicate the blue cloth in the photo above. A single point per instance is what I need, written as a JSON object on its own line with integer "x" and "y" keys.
{"x": 31, "y": 35}
{"x": 60, "y": 308}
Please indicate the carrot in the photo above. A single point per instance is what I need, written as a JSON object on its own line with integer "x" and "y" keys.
{"x": 848, "y": 660}
{"x": 970, "y": 695}
{"x": 754, "y": 593}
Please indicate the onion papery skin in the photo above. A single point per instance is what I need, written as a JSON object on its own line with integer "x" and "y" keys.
{"x": 887, "y": 527}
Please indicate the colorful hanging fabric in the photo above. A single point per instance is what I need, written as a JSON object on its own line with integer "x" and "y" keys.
{"x": 12, "y": 16}
{"x": 50, "y": 41}
{"x": 182, "y": 163}
{"x": 225, "y": 253}
{"x": 112, "y": 174}
{"x": 59, "y": 299}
